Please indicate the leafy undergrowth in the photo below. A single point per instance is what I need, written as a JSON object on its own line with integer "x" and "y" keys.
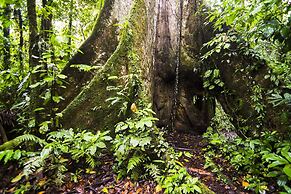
{"x": 62, "y": 161}
{"x": 221, "y": 177}
{"x": 194, "y": 160}
{"x": 140, "y": 158}
{"x": 104, "y": 180}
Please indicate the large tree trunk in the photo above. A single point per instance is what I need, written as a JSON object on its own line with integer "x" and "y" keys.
{"x": 180, "y": 36}
{"x": 164, "y": 39}
{"x": 89, "y": 108}
{"x": 166, "y": 36}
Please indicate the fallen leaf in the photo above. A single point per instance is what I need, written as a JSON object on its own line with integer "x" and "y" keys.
{"x": 41, "y": 192}
{"x": 125, "y": 186}
{"x": 200, "y": 171}
{"x": 41, "y": 182}
{"x": 245, "y": 184}
{"x": 105, "y": 190}
{"x": 80, "y": 189}
{"x": 133, "y": 107}
{"x": 17, "y": 178}
{"x": 158, "y": 188}
{"x": 11, "y": 190}
{"x": 139, "y": 190}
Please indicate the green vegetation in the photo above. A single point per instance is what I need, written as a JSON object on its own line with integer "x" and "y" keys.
{"x": 259, "y": 30}
{"x": 50, "y": 141}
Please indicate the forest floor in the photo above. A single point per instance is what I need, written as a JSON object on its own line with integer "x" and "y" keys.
{"x": 220, "y": 182}
{"x": 105, "y": 181}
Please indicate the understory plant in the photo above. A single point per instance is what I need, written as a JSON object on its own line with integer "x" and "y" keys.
{"x": 259, "y": 158}
{"x": 141, "y": 151}
{"x": 60, "y": 150}
{"x": 139, "y": 147}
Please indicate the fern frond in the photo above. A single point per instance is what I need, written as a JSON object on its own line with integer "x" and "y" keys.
{"x": 8, "y": 155}
{"x": 133, "y": 162}
{"x": 21, "y": 139}
{"x": 34, "y": 163}
{"x": 91, "y": 161}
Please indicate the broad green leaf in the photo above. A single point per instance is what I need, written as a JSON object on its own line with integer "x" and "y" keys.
{"x": 61, "y": 76}
{"x": 288, "y": 189}
{"x": 196, "y": 188}
{"x": 17, "y": 155}
{"x": 278, "y": 162}
{"x": 17, "y": 178}
{"x": 145, "y": 141}
{"x": 107, "y": 138}
{"x": 188, "y": 154}
{"x": 92, "y": 150}
{"x": 101, "y": 145}
{"x": 8, "y": 156}
{"x": 134, "y": 141}
{"x": 285, "y": 152}
{"x": 34, "y": 85}
{"x": 287, "y": 170}
{"x": 48, "y": 79}
{"x": 207, "y": 73}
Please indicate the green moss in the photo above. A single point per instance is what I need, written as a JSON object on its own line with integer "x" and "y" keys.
{"x": 204, "y": 189}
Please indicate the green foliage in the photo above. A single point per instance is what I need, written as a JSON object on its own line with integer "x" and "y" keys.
{"x": 10, "y": 155}
{"x": 57, "y": 152}
{"x": 134, "y": 145}
{"x": 82, "y": 145}
{"x": 279, "y": 164}
{"x": 179, "y": 181}
{"x": 22, "y": 139}
{"x": 258, "y": 102}
{"x": 277, "y": 99}
{"x": 257, "y": 32}
{"x": 85, "y": 68}
{"x": 260, "y": 157}
{"x": 142, "y": 152}
{"x": 211, "y": 79}
{"x": 125, "y": 93}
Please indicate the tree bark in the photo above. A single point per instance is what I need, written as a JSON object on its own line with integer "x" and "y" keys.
{"x": 90, "y": 105}
{"x": 18, "y": 15}
{"x": 6, "y": 35}
{"x": 180, "y": 36}
{"x": 164, "y": 35}
{"x": 157, "y": 50}
{"x": 34, "y": 57}
{"x": 3, "y": 134}
{"x": 70, "y": 30}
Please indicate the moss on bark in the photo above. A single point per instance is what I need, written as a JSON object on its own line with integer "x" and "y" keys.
{"x": 90, "y": 109}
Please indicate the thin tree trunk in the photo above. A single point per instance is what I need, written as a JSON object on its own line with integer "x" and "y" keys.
{"x": 6, "y": 34}
{"x": 18, "y": 17}
{"x": 33, "y": 34}
{"x": 34, "y": 57}
{"x": 3, "y": 134}
{"x": 46, "y": 31}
